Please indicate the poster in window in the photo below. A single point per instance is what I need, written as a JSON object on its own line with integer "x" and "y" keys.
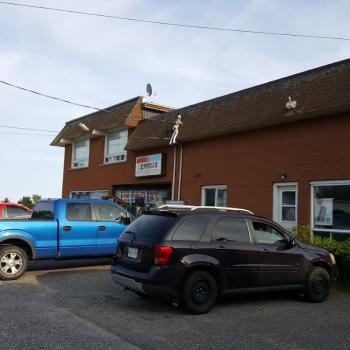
{"x": 324, "y": 211}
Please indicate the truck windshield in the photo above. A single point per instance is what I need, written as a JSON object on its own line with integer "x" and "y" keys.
{"x": 43, "y": 210}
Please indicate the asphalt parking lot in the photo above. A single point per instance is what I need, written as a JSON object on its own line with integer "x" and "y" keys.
{"x": 75, "y": 305}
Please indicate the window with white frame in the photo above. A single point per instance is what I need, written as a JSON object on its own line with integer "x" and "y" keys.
{"x": 331, "y": 206}
{"x": 115, "y": 144}
{"x": 215, "y": 196}
{"x": 80, "y": 158}
{"x": 99, "y": 194}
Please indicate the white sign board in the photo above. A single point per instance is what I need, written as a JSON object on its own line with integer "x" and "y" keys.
{"x": 324, "y": 211}
{"x": 149, "y": 165}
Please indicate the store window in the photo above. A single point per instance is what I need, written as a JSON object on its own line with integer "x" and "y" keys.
{"x": 144, "y": 197}
{"x": 80, "y": 156}
{"x": 214, "y": 196}
{"x": 115, "y": 144}
{"x": 89, "y": 194}
{"x": 331, "y": 207}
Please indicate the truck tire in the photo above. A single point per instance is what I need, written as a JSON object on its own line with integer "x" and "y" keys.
{"x": 199, "y": 292}
{"x": 317, "y": 285}
{"x": 13, "y": 262}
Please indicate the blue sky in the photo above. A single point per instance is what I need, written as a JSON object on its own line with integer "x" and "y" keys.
{"x": 101, "y": 62}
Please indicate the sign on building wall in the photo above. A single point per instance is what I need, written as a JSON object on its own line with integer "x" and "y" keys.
{"x": 324, "y": 211}
{"x": 152, "y": 165}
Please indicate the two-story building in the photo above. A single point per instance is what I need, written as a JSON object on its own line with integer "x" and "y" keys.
{"x": 280, "y": 149}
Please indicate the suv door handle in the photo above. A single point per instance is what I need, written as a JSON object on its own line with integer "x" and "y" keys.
{"x": 67, "y": 228}
{"x": 102, "y": 228}
{"x": 264, "y": 250}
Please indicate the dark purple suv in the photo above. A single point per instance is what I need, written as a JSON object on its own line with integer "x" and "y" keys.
{"x": 195, "y": 254}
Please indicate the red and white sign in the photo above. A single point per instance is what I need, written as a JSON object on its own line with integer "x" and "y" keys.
{"x": 149, "y": 165}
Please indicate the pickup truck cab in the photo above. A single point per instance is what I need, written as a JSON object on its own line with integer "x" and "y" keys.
{"x": 61, "y": 229}
{"x": 14, "y": 211}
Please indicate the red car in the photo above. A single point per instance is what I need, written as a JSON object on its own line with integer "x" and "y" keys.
{"x": 14, "y": 211}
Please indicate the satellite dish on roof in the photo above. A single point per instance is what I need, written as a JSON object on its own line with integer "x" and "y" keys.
{"x": 149, "y": 89}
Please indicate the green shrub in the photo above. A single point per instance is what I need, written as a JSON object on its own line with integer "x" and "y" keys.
{"x": 341, "y": 251}
{"x": 302, "y": 233}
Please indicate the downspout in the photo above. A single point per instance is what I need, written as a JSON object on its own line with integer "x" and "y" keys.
{"x": 174, "y": 175}
{"x": 180, "y": 174}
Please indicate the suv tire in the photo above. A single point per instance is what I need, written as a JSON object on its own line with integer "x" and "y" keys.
{"x": 13, "y": 262}
{"x": 199, "y": 292}
{"x": 318, "y": 285}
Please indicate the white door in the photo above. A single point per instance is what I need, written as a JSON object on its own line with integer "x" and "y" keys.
{"x": 285, "y": 205}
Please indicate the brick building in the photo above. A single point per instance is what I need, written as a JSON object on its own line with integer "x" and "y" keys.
{"x": 280, "y": 149}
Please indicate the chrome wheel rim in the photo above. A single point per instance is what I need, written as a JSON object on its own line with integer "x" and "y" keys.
{"x": 11, "y": 263}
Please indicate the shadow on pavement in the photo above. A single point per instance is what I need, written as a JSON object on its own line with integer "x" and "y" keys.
{"x": 40, "y": 265}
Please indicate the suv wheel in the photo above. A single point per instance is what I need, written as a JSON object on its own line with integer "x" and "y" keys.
{"x": 199, "y": 292}
{"x": 13, "y": 262}
{"x": 318, "y": 285}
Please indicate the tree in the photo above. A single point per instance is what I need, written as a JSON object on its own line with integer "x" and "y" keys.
{"x": 36, "y": 198}
{"x": 5, "y": 200}
{"x": 26, "y": 201}
{"x": 29, "y": 202}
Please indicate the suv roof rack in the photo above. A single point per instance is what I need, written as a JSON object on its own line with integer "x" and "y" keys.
{"x": 194, "y": 207}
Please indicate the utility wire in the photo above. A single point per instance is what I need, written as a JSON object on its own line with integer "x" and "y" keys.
{"x": 21, "y": 128}
{"x": 69, "y": 102}
{"x": 53, "y": 97}
{"x": 19, "y": 133}
{"x": 173, "y": 24}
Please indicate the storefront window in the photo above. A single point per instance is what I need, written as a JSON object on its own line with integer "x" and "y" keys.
{"x": 89, "y": 194}
{"x": 143, "y": 198}
{"x": 331, "y": 203}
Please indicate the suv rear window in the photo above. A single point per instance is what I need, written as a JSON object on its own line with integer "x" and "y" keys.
{"x": 151, "y": 227}
{"x": 191, "y": 229}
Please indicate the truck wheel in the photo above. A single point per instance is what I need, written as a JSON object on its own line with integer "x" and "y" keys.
{"x": 199, "y": 292}
{"x": 13, "y": 262}
{"x": 317, "y": 285}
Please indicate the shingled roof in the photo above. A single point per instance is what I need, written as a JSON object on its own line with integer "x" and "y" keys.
{"x": 127, "y": 113}
{"x": 320, "y": 91}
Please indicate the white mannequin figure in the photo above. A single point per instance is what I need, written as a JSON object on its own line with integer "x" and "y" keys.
{"x": 175, "y": 130}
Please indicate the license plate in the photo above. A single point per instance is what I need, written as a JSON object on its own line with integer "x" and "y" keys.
{"x": 132, "y": 253}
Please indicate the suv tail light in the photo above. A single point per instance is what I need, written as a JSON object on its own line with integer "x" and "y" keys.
{"x": 162, "y": 254}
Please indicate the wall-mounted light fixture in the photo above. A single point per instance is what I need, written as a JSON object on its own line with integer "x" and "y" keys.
{"x": 283, "y": 176}
{"x": 84, "y": 127}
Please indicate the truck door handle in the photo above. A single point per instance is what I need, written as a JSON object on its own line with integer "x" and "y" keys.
{"x": 102, "y": 228}
{"x": 67, "y": 228}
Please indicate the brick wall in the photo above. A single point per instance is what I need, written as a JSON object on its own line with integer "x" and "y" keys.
{"x": 248, "y": 163}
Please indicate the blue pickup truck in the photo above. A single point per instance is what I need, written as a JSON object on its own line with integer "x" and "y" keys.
{"x": 61, "y": 229}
